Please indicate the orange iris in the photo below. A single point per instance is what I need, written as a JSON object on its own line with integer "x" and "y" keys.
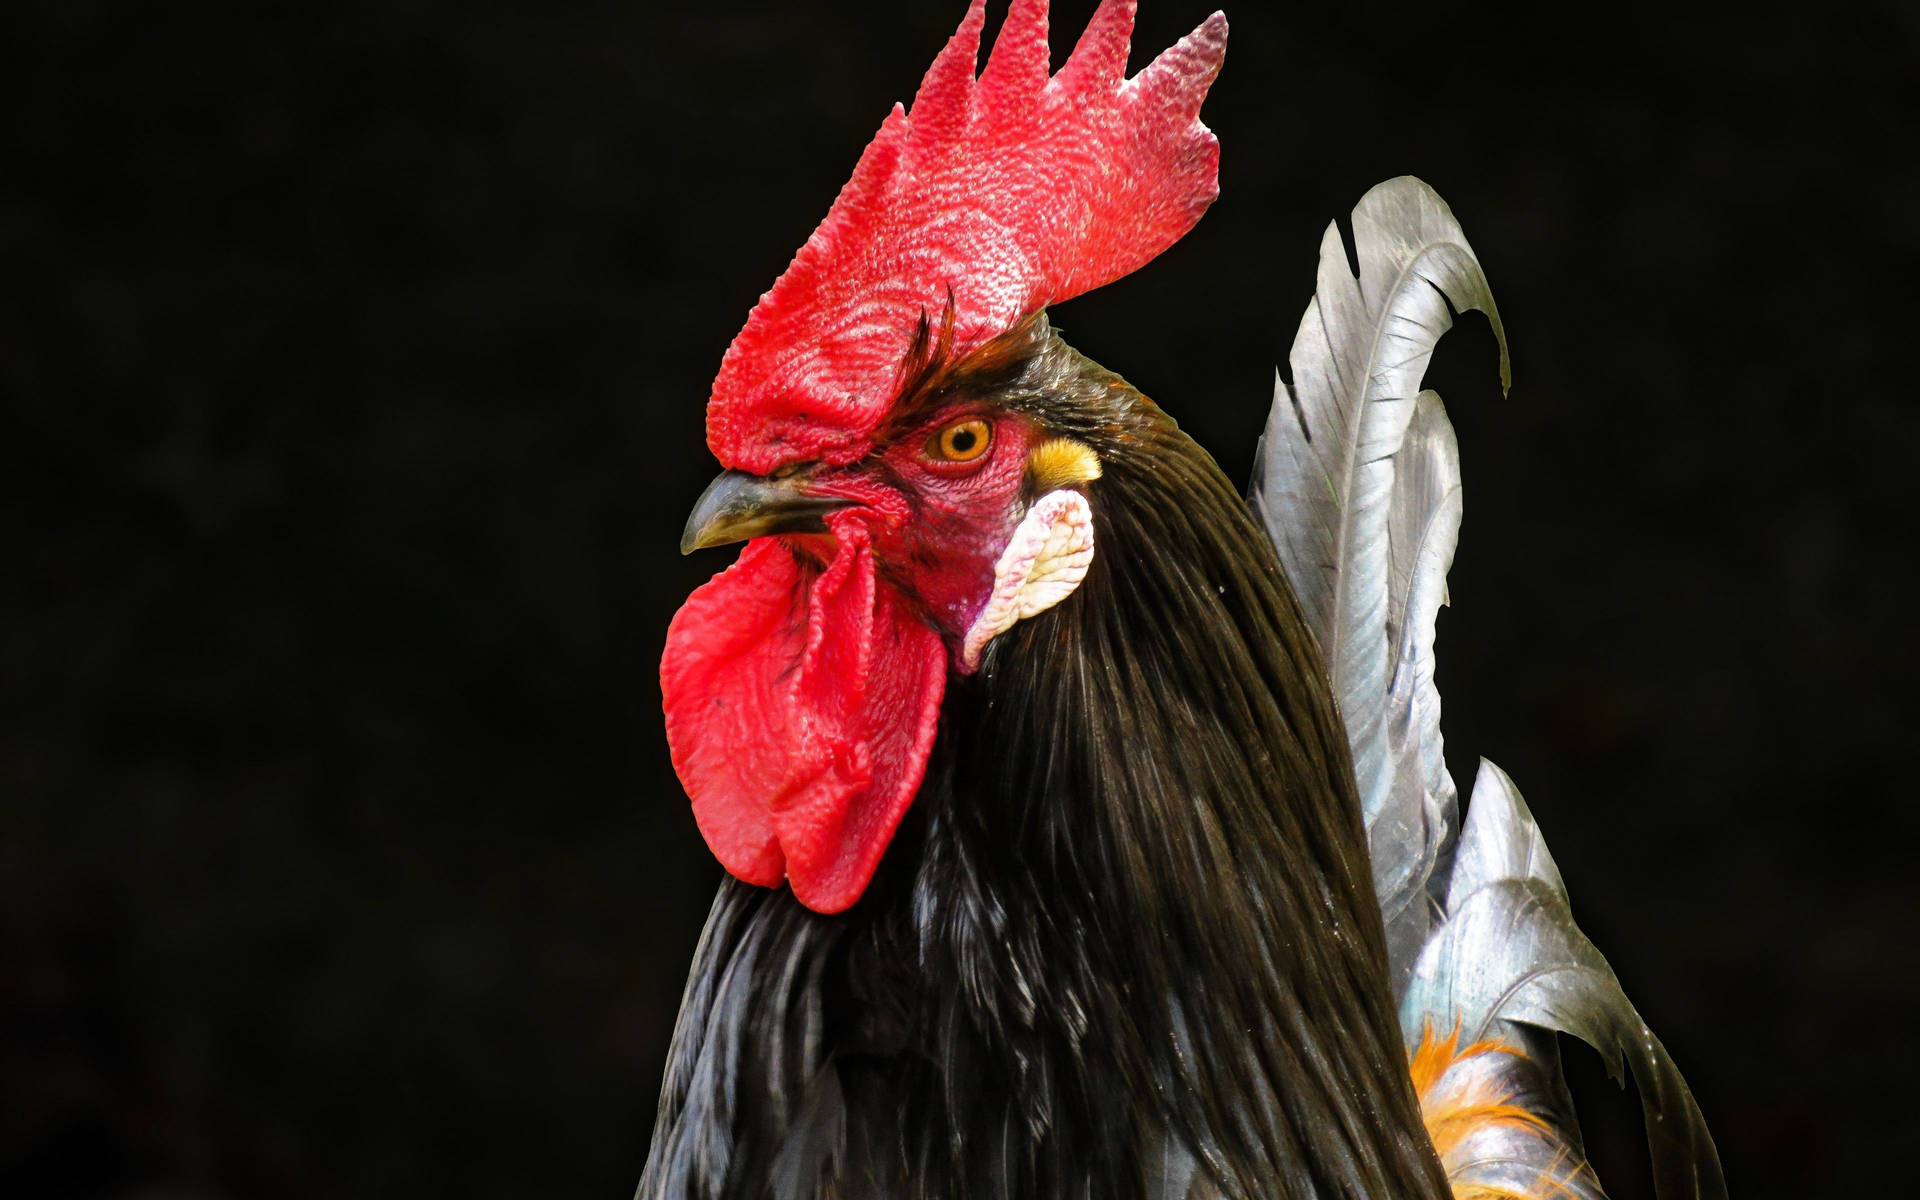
{"x": 962, "y": 441}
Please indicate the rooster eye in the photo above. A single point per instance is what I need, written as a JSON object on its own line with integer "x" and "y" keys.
{"x": 963, "y": 441}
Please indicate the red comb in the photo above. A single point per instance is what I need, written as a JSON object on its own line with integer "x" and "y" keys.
{"x": 1012, "y": 191}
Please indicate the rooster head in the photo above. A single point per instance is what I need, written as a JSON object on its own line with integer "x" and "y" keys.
{"x": 902, "y": 499}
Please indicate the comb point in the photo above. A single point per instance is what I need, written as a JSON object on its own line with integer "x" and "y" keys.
{"x": 1017, "y": 68}
{"x": 1099, "y": 58}
{"x": 944, "y": 102}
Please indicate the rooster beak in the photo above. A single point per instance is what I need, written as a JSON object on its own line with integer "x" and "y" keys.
{"x": 738, "y": 506}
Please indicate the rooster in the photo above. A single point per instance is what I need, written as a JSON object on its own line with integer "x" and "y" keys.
{"x": 1086, "y": 821}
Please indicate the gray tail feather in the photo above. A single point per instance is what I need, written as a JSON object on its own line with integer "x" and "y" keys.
{"x": 1358, "y": 481}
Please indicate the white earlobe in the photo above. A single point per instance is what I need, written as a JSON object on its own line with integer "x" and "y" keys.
{"x": 1044, "y": 561}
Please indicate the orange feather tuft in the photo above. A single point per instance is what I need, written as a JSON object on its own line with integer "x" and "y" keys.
{"x": 1454, "y": 1111}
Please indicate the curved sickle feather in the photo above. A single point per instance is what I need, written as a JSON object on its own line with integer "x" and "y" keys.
{"x": 1358, "y": 481}
{"x": 1510, "y": 953}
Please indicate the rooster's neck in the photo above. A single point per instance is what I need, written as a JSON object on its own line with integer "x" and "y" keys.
{"x": 1144, "y": 861}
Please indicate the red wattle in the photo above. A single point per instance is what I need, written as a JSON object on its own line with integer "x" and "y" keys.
{"x": 801, "y": 706}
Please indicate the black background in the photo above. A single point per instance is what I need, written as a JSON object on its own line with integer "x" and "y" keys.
{"x": 353, "y": 367}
